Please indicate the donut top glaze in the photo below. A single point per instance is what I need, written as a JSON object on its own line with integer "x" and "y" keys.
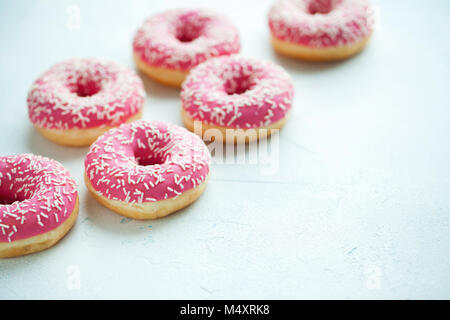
{"x": 146, "y": 161}
{"x": 321, "y": 23}
{"x": 180, "y": 39}
{"x": 36, "y": 195}
{"x": 85, "y": 93}
{"x": 237, "y": 92}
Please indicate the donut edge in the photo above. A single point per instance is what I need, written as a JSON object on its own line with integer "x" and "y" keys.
{"x": 42, "y": 241}
{"x": 148, "y": 210}
{"x": 239, "y": 135}
{"x": 79, "y": 137}
{"x": 165, "y": 76}
{"x": 301, "y": 52}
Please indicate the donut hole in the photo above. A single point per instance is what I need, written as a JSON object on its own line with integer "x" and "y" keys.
{"x": 187, "y": 34}
{"x": 8, "y": 198}
{"x": 149, "y": 161}
{"x": 321, "y": 6}
{"x": 238, "y": 85}
{"x": 189, "y": 27}
{"x": 145, "y": 158}
{"x": 85, "y": 88}
{"x": 152, "y": 146}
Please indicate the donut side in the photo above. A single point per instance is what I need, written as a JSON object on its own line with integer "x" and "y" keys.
{"x": 306, "y": 53}
{"x": 173, "y": 78}
{"x": 78, "y": 137}
{"x": 39, "y": 242}
{"x": 148, "y": 210}
{"x": 231, "y": 135}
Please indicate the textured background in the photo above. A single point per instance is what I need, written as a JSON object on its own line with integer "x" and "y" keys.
{"x": 359, "y": 207}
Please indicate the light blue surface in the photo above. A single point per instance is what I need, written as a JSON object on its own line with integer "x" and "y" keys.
{"x": 359, "y": 207}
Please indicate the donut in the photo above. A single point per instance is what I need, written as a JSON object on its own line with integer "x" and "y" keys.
{"x": 76, "y": 101}
{"x": 147, "y": 169}
{"x": 171, "y": 43}
{"x": 320, "y": 30}
{"x": 38, "y": 204}
{"x": 243, "y": 98}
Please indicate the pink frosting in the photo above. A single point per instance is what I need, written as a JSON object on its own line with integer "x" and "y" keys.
{"x": 36, "y": 195}
{"x": 321, "y": 23}
{"x": 85, "y": 93}
{"x": 146, "y": 161}
{"x": 180, "y": 39}
{"x": 237, "y": 92}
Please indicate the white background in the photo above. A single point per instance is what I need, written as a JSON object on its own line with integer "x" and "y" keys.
{"x": 359, "y": 207}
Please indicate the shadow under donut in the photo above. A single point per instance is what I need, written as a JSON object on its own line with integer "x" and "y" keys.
{"x": 300, "y": 66}
{"x": 103, "y": 218}
{"x": 156, "y": 89}
{"x": 39, "y": 145}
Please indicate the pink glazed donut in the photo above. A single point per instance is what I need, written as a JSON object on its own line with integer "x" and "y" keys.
{"x": 171, "y": 43}
{"x": 76, "y": 101}
{"x": 38, "y": 204}
{"x": 245, "y": 99}
{"x": 320, "y": 30}
{"x": 147, "y": 169}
